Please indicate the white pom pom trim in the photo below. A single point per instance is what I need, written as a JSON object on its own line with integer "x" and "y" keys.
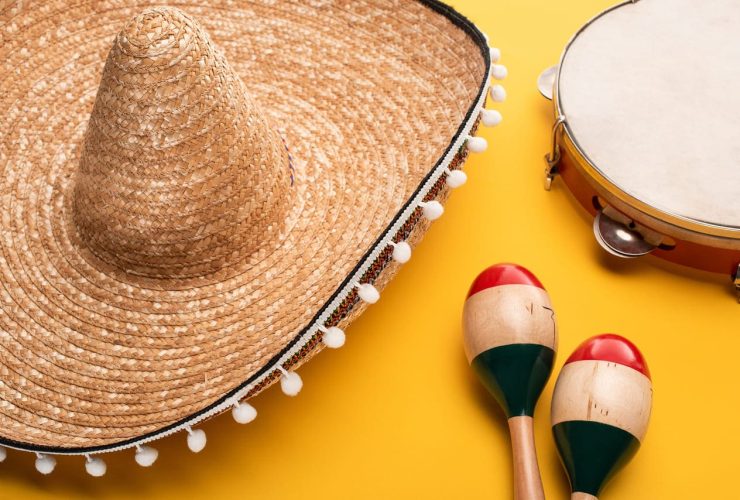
{"x": 3, "y": 453}
{"x": 196, "y": 439}
{"x": 498, "y": 93}
{"x": 499, "y": 71}
{"x": 490, "y": 117}
{"x": 477, "y": 144}
{"x": 495, "y": 54}
{"x": 432, "y": 210}
{"x": 145, "y": 455}
{"x": 456, "y": 178}
{"x": 95, "y": 466}
{"x": 45, "y": 463}
{"x": 243, "y": 413}
{"x": 290, "y": 382}
{"x": 367, "y": 292}
{"x": 333, "y": 337}
{"x": 401, "y": 251}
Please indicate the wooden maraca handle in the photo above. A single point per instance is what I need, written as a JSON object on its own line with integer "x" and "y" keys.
{"x": 527, "y": 482}
{"x": 578, "y": 495}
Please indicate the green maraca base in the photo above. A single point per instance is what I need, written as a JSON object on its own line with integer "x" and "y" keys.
{"x": 515, "y": 374}
{"x": 592, "y": 452}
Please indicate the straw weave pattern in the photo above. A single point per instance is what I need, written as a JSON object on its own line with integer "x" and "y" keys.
{"x": 153, "y": 252}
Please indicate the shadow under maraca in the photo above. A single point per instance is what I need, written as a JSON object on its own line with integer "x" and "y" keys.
{"x": 497, "y": 418}
{"x": 549, "y": 460}
{"x": 551, "y": 463}
{"x": 485, "y": 400}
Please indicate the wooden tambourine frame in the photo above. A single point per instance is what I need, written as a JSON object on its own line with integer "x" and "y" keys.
{"x": 623, "y": 224}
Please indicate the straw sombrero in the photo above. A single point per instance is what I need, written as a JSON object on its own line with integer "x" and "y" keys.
{"x": 194, "y": 202}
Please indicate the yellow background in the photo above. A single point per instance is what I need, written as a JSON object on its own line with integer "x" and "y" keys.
{"x": 397, "y": 413}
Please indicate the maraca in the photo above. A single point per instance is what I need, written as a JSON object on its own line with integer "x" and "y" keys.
{"x": 510, "y": 341}
{"x": 600, "y": 411}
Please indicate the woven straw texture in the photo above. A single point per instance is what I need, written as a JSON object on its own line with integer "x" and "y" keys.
{"x": 183, "y": 190}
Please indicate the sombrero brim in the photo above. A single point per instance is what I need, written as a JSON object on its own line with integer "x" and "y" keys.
{"x": 375, "y": 101}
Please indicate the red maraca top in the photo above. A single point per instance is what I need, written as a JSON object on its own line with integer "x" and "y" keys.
{"x": 503, "y": 274}
{"x": 611, "y": 347}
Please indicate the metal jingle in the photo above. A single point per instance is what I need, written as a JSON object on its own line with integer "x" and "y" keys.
{"x": 546, "y": 81}
{"x": 618, "y": 239}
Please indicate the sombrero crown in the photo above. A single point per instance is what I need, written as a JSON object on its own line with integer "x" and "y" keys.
{"x": 180, "y": 173}
{"x": 188, "y": 216}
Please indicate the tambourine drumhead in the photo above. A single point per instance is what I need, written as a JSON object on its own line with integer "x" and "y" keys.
{"x": 651, "y": 96}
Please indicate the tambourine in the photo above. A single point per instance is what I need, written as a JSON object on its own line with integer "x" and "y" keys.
{"x": 647, "y": 130}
